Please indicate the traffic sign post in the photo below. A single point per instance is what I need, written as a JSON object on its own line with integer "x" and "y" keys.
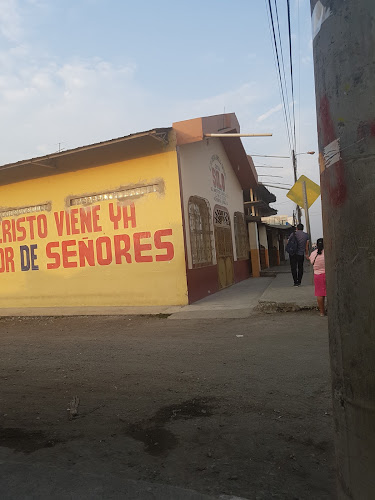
{"x": 304, "y": 193}
{"x": 296, "y": 192}
{"x": 307, "y": 218}
{"x": 306, "y": 207}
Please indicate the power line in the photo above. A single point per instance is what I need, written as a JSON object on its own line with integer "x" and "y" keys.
{"x": 271, "y": 24}
{"x": 267, "y": 175}
{"x": 299, "y": 77}
{"x": 282, "y": 63}
{"x": 277, "y": 65}
{"x": 291, "y": 73}
{"x": 265, "y": 166}
{"x": 270, "y": 156}
{"x": 280, "y": 184}
{"x": 277, "y": 187}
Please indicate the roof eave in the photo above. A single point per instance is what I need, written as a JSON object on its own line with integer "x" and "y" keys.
{"x": 143, "y": 143}
{"x": 190, "y": 131}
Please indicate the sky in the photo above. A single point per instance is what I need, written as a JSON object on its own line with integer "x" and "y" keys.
{"x": 76, "y": 72}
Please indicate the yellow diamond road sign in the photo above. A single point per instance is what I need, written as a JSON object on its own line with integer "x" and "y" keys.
{"x": 296, "y": 192}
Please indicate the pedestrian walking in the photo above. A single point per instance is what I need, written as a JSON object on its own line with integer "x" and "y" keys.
{"x": 298, "y": 248}
{"x": 317, "y": 260}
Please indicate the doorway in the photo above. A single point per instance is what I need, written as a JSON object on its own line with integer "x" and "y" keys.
{"x": 224, "y": 247}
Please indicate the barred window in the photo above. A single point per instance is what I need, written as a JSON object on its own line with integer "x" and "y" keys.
{"x": 200, "y": 232}
{"x": 221, "y": 217}
{"x": 240, "y": 233}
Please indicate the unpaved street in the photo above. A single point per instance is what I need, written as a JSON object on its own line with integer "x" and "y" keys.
{"x": 239, "y": 407}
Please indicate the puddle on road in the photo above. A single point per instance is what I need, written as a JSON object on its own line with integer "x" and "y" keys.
{"x": 24, "y": 441}
{"x": 151, "y": 432}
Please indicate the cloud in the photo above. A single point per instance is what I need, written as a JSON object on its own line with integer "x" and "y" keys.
{"x": 230, "y": 100}
{"x": 10, "y": 20}
{"x": 46, "y": 100}
{"x": 269, "y": 113}
{"x": 76, "y": 102}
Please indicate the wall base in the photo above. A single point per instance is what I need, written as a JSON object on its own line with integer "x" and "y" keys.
{"x": 204, "y": 281}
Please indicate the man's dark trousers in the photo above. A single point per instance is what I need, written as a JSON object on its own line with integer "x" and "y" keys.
{"x": 296, "y": 265}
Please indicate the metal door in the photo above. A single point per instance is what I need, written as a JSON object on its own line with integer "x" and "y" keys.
{"x": 224, "y": 247}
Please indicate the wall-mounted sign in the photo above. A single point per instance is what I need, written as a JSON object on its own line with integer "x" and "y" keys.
{"x": 75, "y": 238}
{"x": 218, "y": 180}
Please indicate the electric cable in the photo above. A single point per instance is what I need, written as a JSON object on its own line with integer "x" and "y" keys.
{"x": 291, "y": 73}
{"x": 277, "y": 64}
{"x": 283, "y": 65}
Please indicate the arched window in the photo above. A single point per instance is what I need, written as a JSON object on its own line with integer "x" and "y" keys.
{"x": 200, "y": 232}
{"x": 240, "y": 234}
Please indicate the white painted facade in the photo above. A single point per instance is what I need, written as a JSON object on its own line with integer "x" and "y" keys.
{"x": 198, "y": 160}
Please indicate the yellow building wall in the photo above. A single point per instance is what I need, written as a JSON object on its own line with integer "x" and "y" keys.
{"x": 137, "y": 260}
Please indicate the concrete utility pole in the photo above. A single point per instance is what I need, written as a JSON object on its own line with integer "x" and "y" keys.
{"x": 344, "y": 60}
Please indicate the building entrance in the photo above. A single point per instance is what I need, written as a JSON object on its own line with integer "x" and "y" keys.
{"x": 224, "y": 247}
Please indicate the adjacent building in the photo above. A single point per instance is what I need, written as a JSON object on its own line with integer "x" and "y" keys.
{"x": 153, "y": 218}
{"x": 268, "y": 232}
{"x": 279, "y": 220}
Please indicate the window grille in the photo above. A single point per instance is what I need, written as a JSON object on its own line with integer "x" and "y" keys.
{"x": 240, "y": 233}
{"x": 221, "y": 217}
{"x": 200, "y": 232}
{"x": 119, "y": 195}
{"x": 13, "y": 212}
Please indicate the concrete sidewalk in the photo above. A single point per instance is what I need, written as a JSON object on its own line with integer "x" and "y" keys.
{"x": 237, "y": 301}
{"x": 281, "y": 295}
{"x": 274, "y": 293}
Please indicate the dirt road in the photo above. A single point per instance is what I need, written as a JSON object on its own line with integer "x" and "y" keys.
{"x": 239, "y": 407}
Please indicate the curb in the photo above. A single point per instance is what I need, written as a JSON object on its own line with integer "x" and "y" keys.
{"x": 274, "y": 307}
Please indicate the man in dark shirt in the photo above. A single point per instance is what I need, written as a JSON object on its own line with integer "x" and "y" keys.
{"x": 296, "y": 260}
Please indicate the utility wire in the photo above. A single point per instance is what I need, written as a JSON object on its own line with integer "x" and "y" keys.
{"x": 291, "y": 75}
{"x": 277, "y": 187}
{"x": 270, "y": 156}
{"x": 267, "y": 175}
{"x": 265, "y": 166}
{"x": 283, "y": 66}
{"x": 277, "y": 183}
{"x": 277, "y": 64}
{"x": 280, "y": 184}
{"x": 299, "y": 77}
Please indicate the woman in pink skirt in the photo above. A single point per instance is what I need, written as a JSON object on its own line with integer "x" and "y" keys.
{"x": 317, "y": 260}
